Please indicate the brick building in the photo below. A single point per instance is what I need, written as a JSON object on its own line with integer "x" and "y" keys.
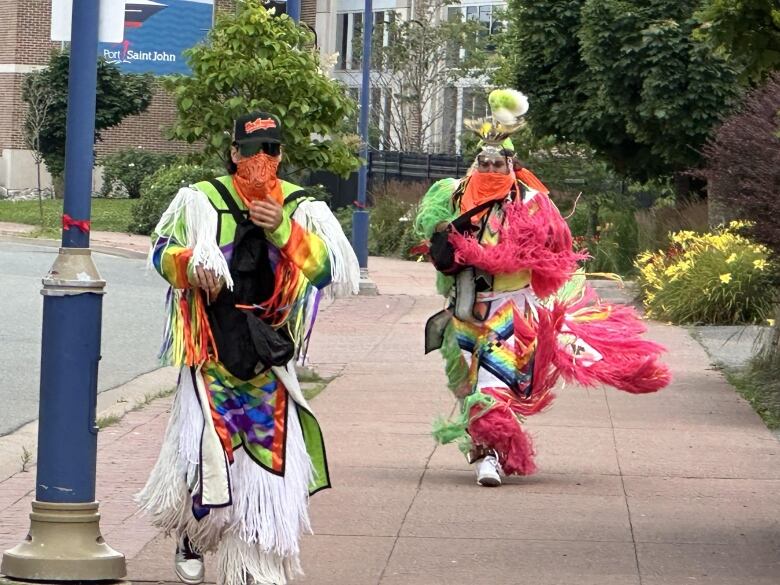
{"x": 24, "y": 47}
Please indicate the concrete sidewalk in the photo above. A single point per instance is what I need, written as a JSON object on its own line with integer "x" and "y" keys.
{"x": 667, "y": 489}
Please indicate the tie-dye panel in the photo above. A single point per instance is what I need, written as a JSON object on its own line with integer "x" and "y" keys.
{"x": 253, "y": 412}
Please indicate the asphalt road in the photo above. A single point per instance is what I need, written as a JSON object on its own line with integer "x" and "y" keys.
{"x": 132, "y": 324}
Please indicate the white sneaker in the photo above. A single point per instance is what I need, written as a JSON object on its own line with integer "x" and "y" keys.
{"x": 188, "y": 564}
{"x": 488, "y": 470}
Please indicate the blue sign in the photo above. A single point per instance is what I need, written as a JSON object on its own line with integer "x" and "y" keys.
{"x": 157, "y": 32}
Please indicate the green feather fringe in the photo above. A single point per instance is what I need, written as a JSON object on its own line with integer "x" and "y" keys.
{"x": 435, "y": 207}
{"x": 444, "y": 284}
{"x": 455, "y": 365}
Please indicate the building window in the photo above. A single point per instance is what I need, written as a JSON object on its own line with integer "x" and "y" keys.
{"x": 349, "y": 38}
{"x": 486, "y": 14}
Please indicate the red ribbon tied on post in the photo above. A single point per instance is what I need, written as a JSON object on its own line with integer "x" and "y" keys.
{"x": 68, "y": 222}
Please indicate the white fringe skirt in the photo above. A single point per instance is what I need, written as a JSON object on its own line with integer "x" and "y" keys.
{"x": 258, "y": 535}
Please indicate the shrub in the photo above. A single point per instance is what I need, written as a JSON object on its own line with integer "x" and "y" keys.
{"x": 125, "y": 170}
{"x": 158, "y": 190}
{"x": 391, "y": 227}
{"x": 716, "y": 278}
{"x": 404, "y": 191}
{"x": 743, "y": 164}
{"x": 612, "y": 242}
{"x": 655, "y": 224}
{"x": 391, "y": 219}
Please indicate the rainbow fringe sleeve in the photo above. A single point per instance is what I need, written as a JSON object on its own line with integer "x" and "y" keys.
{"x": 304, "y": 249}
{"x": 171, "y": 261}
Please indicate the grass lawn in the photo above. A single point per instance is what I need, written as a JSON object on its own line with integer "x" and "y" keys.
{"x": 108, "y": 215}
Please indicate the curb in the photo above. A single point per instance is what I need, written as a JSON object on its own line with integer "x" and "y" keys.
{"x": 115, "y": 402}
{"x": 96, "y": 244}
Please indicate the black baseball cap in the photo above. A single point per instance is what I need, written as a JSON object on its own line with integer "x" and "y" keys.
{"x": 254, "y": 129}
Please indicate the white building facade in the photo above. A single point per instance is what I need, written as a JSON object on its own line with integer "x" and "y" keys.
{"x": 339, "y": 25}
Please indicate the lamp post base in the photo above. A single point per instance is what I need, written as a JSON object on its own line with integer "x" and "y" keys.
{"x": 64, "y": 544}
{"x": 367, "y": 287}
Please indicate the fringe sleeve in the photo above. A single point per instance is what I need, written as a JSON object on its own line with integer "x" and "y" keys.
{"x": 316, "y": 217}
{"x": 186, "y": 236}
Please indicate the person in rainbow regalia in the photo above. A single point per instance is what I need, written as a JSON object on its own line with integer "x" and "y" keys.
{"x": 518, "y": 314}
{"x": 247, "y": 256}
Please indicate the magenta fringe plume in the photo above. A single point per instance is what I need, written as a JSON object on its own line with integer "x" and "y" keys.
{"x": 533, "y": 236}
{"x": 498, "y": 428}
{"x": 628, "y": 363}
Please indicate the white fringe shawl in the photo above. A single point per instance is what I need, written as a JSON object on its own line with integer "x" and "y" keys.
{"x": 192, "y": 210}
{"x": 316, "y": 216}
{"x": 259, "y": 534}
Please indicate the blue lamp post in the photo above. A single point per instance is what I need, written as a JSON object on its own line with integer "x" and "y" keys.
{"x": 64, "y": 541}
{"x": 294, "y": 9}
{"x": 360, "y": 215}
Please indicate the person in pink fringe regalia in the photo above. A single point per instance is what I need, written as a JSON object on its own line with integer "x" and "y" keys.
{"x": 519, "y": 314}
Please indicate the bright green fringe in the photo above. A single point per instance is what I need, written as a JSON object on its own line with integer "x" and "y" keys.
{"x": 435, "y": 207}
{"x": 455, "y": 430}
{"x": 454, "y": 364}
{"x": 444, "y": 284}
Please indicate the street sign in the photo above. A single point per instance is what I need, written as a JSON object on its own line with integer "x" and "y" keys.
{"x": 111, "y": 28}
{"x": 156, "y": 35}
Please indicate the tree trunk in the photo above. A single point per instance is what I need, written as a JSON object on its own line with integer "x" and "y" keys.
{"x": 682, "y": 186}
{"x": 40, "y": 198}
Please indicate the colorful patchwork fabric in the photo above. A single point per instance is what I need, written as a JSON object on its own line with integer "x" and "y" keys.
{"x": 503, "y": 345}
{"x": 253, "y": 412}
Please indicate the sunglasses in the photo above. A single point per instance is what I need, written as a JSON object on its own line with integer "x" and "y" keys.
{"x": 251, "y": 149}
{"x": 485, "y": 163}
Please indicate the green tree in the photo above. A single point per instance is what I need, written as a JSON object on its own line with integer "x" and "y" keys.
{"x": 118, "y": 96}
{"x": 622, "y": 76}
{"x": 747, "y": 32}
{"x": 253, "y": 60}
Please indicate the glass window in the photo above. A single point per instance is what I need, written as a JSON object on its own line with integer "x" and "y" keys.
{"x": 341, "y": 40}
{"x": 357, "y": 39}
{"x": 484, "y": 14}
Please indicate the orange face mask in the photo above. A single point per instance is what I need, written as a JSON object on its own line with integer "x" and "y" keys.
{"x": 483, "y": 187}
{"x": 256, "y": 179}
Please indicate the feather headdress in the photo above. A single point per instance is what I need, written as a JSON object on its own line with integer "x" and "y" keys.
{"x": 507, "y": 106}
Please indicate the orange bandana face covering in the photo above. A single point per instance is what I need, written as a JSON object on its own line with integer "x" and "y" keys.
{"x": 256, "y": 179}
{"x": 483, "y": 187}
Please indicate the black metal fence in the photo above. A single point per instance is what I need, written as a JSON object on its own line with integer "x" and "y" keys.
{"x": 384, "y": 166}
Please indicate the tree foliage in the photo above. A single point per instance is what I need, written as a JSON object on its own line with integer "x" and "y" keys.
{"x": 253, "y": 60}
{"x": 747, "y": 32}
{"x": 623, "y": 76}
{"x": 743, "y": 163}
{"x": 118, "y": 96}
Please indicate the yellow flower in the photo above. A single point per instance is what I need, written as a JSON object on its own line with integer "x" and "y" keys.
{"x": 760, "y": 264}
{"x": 725, "y": 278}
{"x": 771, "y": 322}
{"x": 731, "y": 258}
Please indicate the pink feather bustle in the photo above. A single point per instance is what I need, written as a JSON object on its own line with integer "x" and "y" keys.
{"x": 532, "y": 236}
{"x": 498, "y": 428}
{"x": 627, "y": 362}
